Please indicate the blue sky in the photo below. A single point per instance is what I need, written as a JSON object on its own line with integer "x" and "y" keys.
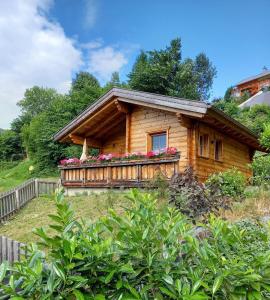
{"x": 234, "y": 34}
{"x": 49, "y": 41}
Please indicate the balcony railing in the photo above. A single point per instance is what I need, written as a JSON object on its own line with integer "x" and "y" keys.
{"x": 118, "y": 173}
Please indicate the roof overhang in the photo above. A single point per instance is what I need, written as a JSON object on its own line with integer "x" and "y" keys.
{"x": 112, "y": 106}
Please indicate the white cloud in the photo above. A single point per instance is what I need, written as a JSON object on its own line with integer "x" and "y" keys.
{"x": 106, "y": 60}
{"x": 34, "y": 51}
{"x": 90, "y": 13}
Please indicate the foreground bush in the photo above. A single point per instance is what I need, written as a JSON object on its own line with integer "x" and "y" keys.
{"x": 261, "y": 169}
{"x": 145, "y": 253}
{"x": 231, "y": 183}
{"x": 193, "y": 198}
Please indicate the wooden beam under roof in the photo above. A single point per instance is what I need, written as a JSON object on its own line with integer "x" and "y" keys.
{"x": 103, "y": 125}
{"x": 79, "y": 140}
{"x": 109, "y": 129}
{"x": 184, "y": 120}
{"x": 99, "y": 112}
{"x": 122, "y": 107}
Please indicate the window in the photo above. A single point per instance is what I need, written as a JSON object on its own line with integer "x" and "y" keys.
{"x": 203, "y": 149}
{"x": 218, "y": 150}
{"x": 158, "y": 141}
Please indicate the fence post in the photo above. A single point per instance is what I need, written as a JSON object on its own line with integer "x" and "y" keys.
{"x": 36, "y": 188}
{"x": 17, "y": 196}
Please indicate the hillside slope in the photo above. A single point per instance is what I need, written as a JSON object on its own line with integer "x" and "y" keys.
{"x": 13, "y": 175}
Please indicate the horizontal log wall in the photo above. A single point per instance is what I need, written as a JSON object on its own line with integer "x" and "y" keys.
{"x": 144, "y": 120}
{"x": 235, "y": 154}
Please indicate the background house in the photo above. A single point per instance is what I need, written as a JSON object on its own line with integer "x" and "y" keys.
{"x": 252, "y": 85}
{"x": 262, "y": 97}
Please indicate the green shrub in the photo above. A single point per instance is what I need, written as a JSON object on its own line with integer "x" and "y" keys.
{"x": 192, "y": 198}
{"x": 145, "y": 253}
{"x": 265, "y": 136}
{"x": 159, "y": 184}
{"x": 231, "y": 183}
{"x": 261, "y": 169}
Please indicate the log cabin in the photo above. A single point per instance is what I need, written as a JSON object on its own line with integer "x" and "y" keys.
{"x": 123, "y": 124}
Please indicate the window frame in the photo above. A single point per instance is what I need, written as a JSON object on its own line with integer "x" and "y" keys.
{"x": 153, "y": 135}
{"x": 207, "y": 147}
{"x": 149, "y": 134}
{"x": 220, "y": 159}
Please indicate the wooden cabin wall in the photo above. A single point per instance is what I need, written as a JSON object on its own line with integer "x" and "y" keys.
{"x": 116, "y": 143}
{"x": 145, "y": 120}
{"x": 235, "y": 154}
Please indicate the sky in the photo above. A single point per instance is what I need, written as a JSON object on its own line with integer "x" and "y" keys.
{"x": 45, "y": 42}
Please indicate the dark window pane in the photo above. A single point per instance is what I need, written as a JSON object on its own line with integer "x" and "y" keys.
{"x": 203, "y": 149}
{"x": 218, "y": 150}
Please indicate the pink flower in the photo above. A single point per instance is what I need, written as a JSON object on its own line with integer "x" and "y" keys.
{"x": 70, "y": 161}
{"x": 150, "y": 154}
{"x": 171, "y": 150}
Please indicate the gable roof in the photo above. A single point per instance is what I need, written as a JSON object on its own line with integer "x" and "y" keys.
{"x": 193, "y": 109}
{"x": 262, "y": 74}
{"x": 260, "y": 98}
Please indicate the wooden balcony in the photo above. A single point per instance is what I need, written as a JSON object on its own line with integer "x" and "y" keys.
{"x": 118, "y": 173}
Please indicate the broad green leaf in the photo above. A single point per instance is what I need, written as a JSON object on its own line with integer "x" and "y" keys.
{"x": 99, "y": 297}
{"x": 3, "y": 270}
{"x": 217, "y": 283}
{"x": 78, "y": 295}
{"x": 109, "y": 277}
{"x": 167, "y": 292}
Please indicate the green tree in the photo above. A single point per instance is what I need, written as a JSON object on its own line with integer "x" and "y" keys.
{"x": 37, "y": 136}
{"x": 255, "y": 117}
{"x": 205, "y": 73}
{"x": 36, "y": 100}
{"x": 228, "y": 94}
{"x": 230, "y": 107}
{"x": 114, "y": 82}
{"x": 10, "y": 145}
{"x": 265, "y": 136}
{"x": 164, "y": 72}
{"x": 85, "y": 90}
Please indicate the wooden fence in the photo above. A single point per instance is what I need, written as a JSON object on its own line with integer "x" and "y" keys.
{"x": 12, "y": 200}
{"x": 11, "y": 250}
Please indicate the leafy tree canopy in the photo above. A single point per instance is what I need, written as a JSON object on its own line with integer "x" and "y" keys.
{"x": 10, "y": 145}
{"x": 114, "y": 82}
{"x": 164, "y": 72}
{"x": 85, "y": 90}
{"x": 36, "y": 100}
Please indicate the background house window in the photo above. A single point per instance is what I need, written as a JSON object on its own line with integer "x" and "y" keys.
{"x": 218, "y": 150}
{"x": 158, "y": 141}
{"x": 203, "y": 145}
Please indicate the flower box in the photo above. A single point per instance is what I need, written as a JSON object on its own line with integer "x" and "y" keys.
{"x": 128, "y": 157}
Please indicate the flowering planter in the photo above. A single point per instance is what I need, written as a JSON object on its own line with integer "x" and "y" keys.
{"x": 112, "y": 162}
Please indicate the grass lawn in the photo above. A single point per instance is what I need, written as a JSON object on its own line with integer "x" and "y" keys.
{"x": 11, "y": 177}
{"x": 35, "y": 213}
{"x": 255, "y": 205}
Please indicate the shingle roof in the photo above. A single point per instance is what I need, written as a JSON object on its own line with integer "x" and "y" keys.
{"x": 262, "y": 74}
{"x": 179, "y": 105}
